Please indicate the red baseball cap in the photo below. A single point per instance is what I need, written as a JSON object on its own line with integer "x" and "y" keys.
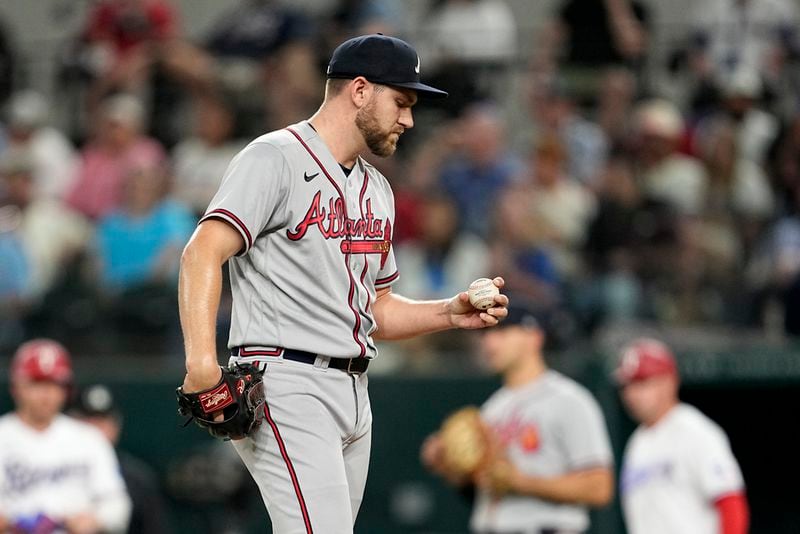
{"x": 42, "y": 360}
{"x": 644, "y": 358}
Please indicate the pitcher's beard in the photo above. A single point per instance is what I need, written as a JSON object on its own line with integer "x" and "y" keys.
{"x": 378, "y": 141}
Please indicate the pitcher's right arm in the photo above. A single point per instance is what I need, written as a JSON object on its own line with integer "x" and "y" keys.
{"x": 199, "y": 289}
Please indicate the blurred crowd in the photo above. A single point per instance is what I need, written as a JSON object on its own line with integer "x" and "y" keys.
{"x": 614, "y": 190}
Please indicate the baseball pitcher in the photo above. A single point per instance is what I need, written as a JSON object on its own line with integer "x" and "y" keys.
{"x": 305, "y": 225}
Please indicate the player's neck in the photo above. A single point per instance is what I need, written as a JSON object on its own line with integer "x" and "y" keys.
{"x": 526, "y": 371}
{"x": 36, "y": 423}
{"x": 661, "y": 414}
{"x": 339, "y": 134}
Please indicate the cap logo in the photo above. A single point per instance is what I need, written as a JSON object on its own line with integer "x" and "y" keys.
{"x": 416, "y": 69}
{"x": 630, "y": 361}
{"x": 47, "y": 359}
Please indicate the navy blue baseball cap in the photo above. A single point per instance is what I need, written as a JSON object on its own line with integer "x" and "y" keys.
{"x": 381, "y": 59}
{"x": 95, "y": 400}
{"x": 521, "y": 313}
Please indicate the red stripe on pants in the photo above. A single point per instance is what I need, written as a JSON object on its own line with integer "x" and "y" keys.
{"x": 290, "y": 467}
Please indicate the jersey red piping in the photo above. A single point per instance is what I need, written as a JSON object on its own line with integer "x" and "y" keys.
{"x": 351, "y": 292}
{"x": 387, "y": 279}
{"x": 235, "y": 220}
{"x": 366, "y": 261}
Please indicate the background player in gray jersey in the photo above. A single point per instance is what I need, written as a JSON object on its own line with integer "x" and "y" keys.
{"x": 557, "y": 457}
{"x": 305, "y": 225}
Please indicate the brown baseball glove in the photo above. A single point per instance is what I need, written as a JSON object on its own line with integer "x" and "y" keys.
{"x": 465, "y": 442}
{"x": 497, "y": 475}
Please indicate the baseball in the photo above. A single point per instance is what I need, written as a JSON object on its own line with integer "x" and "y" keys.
{"x": 481, "y": 293}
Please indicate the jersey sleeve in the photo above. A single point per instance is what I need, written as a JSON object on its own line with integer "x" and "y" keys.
{"x": 714, "y": 468}
{"x": 252, "y": 193}
{"x": 389, "y": 274}
{"x": 112, "y": 505}
{"x": 585, "y": 436}
{"x": 4, "y": 492}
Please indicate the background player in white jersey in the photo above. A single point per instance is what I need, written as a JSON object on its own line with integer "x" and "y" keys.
{"x": 57, "y": 475}
{"x": 679, "y": 475}
{"x": 557, "y": 459}
{"x": 305, "y": 225}
{"x": 95, "y": 405}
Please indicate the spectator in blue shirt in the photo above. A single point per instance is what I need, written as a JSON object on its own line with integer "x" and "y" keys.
{"x": 141, "y": 242}
{"x": 471, "y": 162}
{"x": 14, "y": 277}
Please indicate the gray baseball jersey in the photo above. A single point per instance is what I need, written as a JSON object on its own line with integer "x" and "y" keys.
{"x": 317, "y": 246}
{"x": 549, "y": 427}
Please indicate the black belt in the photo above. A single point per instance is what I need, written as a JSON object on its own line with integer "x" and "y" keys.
{"x": 353, "y": 366}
